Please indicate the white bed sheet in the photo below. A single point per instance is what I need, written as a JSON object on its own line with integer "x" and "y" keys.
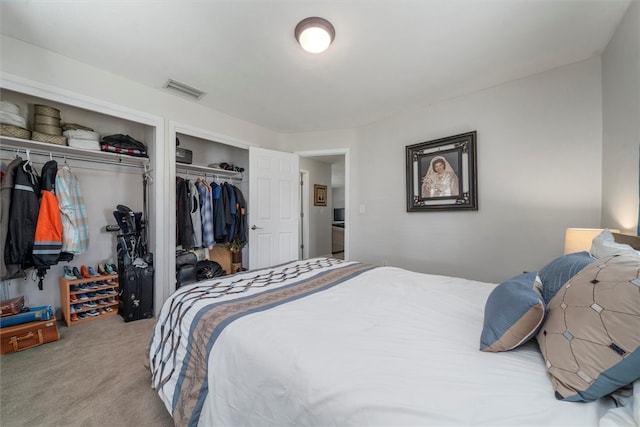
{"x": 390, "y": 348}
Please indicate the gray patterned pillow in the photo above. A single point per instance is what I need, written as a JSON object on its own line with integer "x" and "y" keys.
{"x": 591, "y": 337}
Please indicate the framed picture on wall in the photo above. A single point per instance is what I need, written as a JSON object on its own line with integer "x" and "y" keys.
{"x": 319, "y": 195}
{"x": 441, "y": 174}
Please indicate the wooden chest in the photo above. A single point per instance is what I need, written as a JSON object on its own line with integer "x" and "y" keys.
{"x": 27, "y": 335}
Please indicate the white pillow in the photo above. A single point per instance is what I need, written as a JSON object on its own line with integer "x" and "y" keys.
{"x": 604, "y": 245}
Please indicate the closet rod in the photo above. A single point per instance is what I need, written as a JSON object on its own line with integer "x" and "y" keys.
{"x": 117, "y": 160}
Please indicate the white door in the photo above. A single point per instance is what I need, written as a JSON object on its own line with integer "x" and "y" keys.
{"x": 273, "y": 207}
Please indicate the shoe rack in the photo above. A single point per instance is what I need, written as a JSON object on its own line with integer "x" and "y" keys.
{"x": 103, "y": 292}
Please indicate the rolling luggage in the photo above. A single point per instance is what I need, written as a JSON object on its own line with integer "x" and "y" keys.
{"x": 32, "y": 314}
{"x": 136, "y": 293}
{"x": 11, "y": 306}
{"x": 21, "y": 337}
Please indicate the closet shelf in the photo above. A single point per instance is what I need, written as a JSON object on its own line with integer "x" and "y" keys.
{"x": 205, "y": 170}
{"x": 71, "y": 153}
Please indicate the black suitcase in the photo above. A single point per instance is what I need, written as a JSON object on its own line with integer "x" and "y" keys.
{"x": 136, "y": 293}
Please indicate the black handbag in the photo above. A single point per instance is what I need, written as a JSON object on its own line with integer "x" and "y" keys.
{"x": 185, "y": 268}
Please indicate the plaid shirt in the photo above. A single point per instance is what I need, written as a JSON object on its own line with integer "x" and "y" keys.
{"x": 206, "y": 215}
{"x": 75, "y": 231}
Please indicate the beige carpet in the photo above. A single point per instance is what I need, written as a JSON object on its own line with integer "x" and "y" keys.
{"x": 95, "y": 375}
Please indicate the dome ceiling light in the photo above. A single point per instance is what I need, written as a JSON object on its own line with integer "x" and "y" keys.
{"x": 315, "y": 34}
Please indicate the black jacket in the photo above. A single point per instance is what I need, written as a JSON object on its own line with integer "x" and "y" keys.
{"x": 23, "y": 217}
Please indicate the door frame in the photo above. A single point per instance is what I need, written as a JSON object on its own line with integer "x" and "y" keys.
{"x": 347, "y": 185}
{"x": 304, "y": 213}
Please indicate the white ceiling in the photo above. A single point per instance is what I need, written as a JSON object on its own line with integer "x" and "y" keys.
{"x": 388, "y": 56}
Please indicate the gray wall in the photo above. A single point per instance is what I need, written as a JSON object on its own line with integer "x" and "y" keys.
{"x": 319, "y": 239}
{"x": 621, "y": 124}
{"x": 539, "y": 172}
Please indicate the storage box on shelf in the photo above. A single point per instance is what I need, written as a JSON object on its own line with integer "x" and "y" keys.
{"x": 107, "y": 291}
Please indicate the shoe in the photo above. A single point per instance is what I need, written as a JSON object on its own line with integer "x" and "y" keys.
{"x": 92, "y": 285}
{"x": 90, "y": 304}
{"x": 109, "y": 269}
{"x": 93, "y": 313}
{"x": 108, "y": 309}
{"x": 84, "y": 272}
{"x": 102, "y": 270}
{"x": 74, "y": 317}
{"x": 82, "y": 297}
{"x": 73, "y": 298}
{"x": 91, "y": 294}
{"x": 114, "y": 268}
{"x": 77, "y": 273}
{"x": 76, "y": 307}
{"x": 92, "y": 272}
{"x": 82, "y": 315}
{"x": 68, "y": 273}
{"x": 74, "y": 288}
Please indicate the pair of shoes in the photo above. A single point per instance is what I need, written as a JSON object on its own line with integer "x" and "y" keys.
{"x": 77, "y": 273}
{"x": 84, "y": 272}
{"x": 93, "y": 272}
{"x": 82, "y": 297}
{"x": 110, "y": 269}
{"x": 73, "y": 297}
{"x": 74, "y": 317}
{"x": 101, "y": 269}
{"x": 108, "y": 309}
{"x": 68, "y": 273}
{"x": 82, "y": 315}
{"x": 76, "y": 307}
{"x": 93, "y": 313}
{"x": 90, "y": 304}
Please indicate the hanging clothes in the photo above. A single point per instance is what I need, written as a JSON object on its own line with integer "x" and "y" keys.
{"x": 6, "y": 188}
{"x": 196, "y": 219}
{"x": 241, "y": 215}
{"x": 75, "y": 236}
{"x": 184, "y": 227}
{"x": 23, "y": 216}
{"x": 219, "y": 222}
{"x": 231, "y": 226}
{"x": 206, "y": 213}
{"x": 48, "y": 235}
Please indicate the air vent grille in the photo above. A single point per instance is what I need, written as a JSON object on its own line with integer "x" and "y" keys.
{"x": 184, "y": 89}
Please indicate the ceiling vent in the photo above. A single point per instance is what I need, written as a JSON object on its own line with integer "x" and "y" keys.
{"x": 184, "y": 89}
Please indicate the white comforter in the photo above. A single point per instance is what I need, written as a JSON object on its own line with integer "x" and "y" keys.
{"x": 389, "y": 347}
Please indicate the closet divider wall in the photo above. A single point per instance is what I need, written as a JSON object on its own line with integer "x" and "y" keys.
{"x": 106, "y": 180}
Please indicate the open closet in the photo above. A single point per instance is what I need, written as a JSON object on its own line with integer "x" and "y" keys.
{"x": 207, "y": 164}
{"x": 105, "y": 179}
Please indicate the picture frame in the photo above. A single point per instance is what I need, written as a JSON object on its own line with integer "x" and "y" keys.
{"x": 319, "y": 195}
{"x": 442, "y": 174}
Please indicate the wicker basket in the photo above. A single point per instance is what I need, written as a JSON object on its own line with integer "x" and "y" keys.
{"x": 46, "y": 110}
{"x": 14, "y": 131}
{"x": 39, "y": 119}
{"x": 48, "y": 129}
{"x": 51, "y": 139}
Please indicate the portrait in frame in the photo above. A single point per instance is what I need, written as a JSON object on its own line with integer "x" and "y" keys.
{"x": 319, "y": 195}
{"x": 441, "y": 174}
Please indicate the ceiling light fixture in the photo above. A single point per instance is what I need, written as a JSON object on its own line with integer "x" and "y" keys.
{"x": 315, "y": 34}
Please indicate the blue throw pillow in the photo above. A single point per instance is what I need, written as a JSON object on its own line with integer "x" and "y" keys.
{"x": 513, "y": 313}
{"x": 560, "y": 270}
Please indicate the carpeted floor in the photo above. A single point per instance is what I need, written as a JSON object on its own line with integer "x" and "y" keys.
{"x": 95, "y": 375}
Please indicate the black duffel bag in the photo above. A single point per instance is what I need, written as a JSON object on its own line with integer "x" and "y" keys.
{"x": 185, "y": 267}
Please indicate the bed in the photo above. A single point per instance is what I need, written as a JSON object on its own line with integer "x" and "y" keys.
{"x": 331, "y": 342}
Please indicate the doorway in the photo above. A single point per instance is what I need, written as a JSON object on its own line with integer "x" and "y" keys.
{"x": 324, "y": 230}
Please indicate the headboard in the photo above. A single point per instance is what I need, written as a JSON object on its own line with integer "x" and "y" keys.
{"x": 633, "y": 241}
